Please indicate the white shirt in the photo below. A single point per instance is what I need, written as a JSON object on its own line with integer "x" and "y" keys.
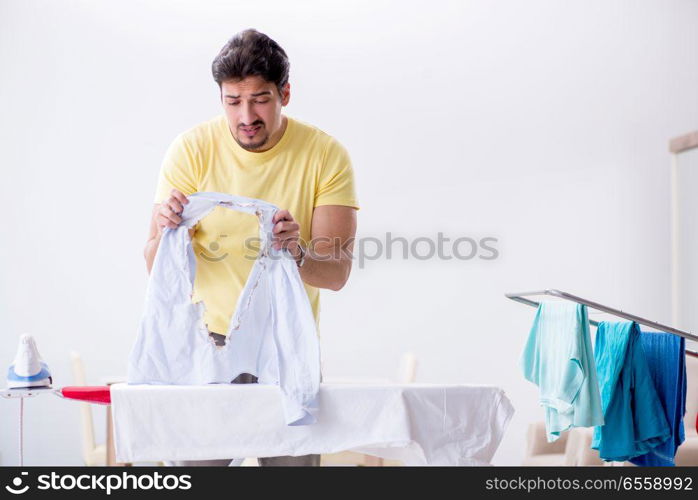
{"x": 272, "y": 333}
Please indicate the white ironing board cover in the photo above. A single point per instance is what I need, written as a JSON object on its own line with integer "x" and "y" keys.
{"x": 420, "y": 424}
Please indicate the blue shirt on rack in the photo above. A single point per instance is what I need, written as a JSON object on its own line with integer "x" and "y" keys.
{"x": 666, "y": 357}
{"x": 634, "y": 418}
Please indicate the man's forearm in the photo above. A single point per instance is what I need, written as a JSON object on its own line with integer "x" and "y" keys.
{"x": 326, "y": 268}
{"x": 151, "y": 248}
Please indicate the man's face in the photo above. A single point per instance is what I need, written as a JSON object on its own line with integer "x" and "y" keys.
{"x": 253, "y": 108}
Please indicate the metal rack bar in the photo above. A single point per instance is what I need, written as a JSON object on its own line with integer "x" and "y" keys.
{"x": 521, "y": 298}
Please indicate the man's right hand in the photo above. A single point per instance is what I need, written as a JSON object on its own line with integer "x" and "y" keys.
{"x": 169, "y": 214}
{"x": 166, "y": 214}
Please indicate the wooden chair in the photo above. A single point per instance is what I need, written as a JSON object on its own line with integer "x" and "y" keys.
{"x": 92, "y": 453}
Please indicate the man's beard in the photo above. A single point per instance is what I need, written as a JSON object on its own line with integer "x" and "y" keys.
{"x": 255, "y": 145}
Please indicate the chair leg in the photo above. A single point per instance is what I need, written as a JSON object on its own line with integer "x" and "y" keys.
{"x": 371, "y": 461}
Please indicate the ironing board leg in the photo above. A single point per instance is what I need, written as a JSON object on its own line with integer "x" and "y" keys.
{"x": 111, "y": 459}
{"x": 21, "y": 432}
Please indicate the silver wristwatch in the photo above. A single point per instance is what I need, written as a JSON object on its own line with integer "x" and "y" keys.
{"x": 300, "y": 262}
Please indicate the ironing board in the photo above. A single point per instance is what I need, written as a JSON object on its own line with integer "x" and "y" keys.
{"x": 418, "y": 424}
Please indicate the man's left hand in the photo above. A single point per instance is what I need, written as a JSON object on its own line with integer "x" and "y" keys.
{"x": 286, "y": 233}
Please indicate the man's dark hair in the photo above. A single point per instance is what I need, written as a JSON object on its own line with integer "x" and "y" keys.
{"x": 251, "y": 53}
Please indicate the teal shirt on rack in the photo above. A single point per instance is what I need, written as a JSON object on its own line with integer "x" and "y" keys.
{"x": 635, "y": 419}
{"x": 559, "y": 359}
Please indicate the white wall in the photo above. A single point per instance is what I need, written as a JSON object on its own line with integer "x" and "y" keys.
{"x": 542, "y": 123}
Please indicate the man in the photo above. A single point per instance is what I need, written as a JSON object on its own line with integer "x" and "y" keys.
{"x": 253, "y": 150}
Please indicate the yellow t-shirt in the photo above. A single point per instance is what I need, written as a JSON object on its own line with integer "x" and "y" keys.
{"x": 305, "y": 169}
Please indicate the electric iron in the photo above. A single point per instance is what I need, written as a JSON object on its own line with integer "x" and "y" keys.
{"x": 28, "y": 370}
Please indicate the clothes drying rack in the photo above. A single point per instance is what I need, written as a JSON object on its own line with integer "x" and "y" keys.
{"x": 521, "y": 298}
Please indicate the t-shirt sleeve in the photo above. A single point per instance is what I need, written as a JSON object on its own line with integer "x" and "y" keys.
{"x": 179, "y": 170}
{"x": 336, "y": 183}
